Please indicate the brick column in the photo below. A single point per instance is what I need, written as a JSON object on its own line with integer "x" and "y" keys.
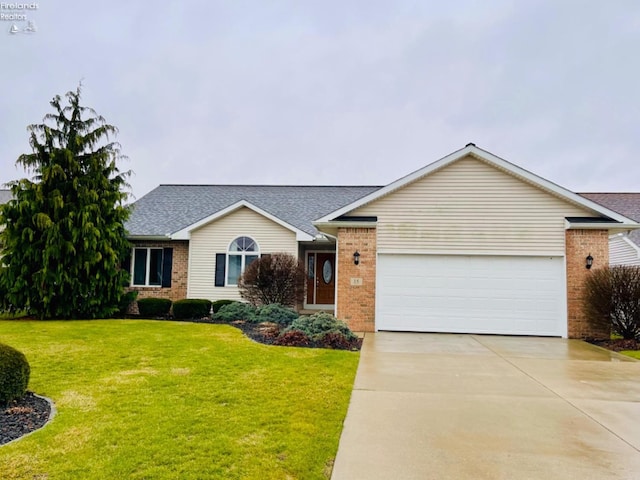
{"x": 356, "y": 291}
{"x": 580, "y": 244}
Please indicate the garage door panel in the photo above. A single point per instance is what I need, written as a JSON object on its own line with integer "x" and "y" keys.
{"x": 474, "y": 294}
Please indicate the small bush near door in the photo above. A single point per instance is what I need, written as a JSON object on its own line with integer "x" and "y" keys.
{"x": 236, "y": 311}
{"x": 218, "y": 304}
{"x": 277, "y": 278}
{"x": 154, "y": 307}
{"x": 277, "y": 313}
{"x": 319, "y": 324}
{"x": 613, "y": 296}
{"x": 191, "y": 308}
{"x": 319, "y": 330}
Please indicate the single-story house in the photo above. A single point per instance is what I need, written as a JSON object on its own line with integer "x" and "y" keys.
{"x": 624, "y": 247}
{"x": 470, "y": 243}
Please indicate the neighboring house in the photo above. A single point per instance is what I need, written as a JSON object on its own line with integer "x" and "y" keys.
{"x": 470, "y": 243}
{"x": 624, "y": 247}
{"x": 5, "y": 196}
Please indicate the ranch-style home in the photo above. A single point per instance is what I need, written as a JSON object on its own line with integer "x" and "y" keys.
{"x": 470, "y": 243}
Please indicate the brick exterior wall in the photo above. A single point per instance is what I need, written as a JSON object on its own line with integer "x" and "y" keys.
{"x": 579, "y": 244}
{"x": 179, "y": 270}
{"x": 356, "y": 303}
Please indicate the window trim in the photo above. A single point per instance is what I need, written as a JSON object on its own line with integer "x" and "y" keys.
{"x": 147, "y": 266}
{"x": 243, "y": 258}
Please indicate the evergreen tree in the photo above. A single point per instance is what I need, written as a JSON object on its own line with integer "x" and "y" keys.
{"x": 64, "y": 239}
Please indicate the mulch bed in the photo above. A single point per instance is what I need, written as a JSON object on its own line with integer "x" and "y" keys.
{"x": 617, "y": 345}
{"x": 23, "y": 416}
{"x": 267, "y": 333}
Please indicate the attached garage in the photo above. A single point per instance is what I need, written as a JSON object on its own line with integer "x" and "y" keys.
{"x": 514, "y": 295}
{"x": 470, "y": 244}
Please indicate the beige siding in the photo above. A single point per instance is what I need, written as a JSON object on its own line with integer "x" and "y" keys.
{"x": 215, "y": 238}
{"x": 471, "y": 207}
{"x": 621, "y": 253}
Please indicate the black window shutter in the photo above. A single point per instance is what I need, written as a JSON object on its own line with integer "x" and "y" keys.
{"x": 167, "y": 266}
{"x": 221, "y": 260}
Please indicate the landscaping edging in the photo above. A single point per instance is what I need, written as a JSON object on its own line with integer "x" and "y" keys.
{"x": 23, "y": 423}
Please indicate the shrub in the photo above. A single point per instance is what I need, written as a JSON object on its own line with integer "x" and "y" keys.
{"x": 317, "y": 325}
{"x": 125, "y": 301}
{"x": 14, "y": 374}
{"x": 337, "y": 340}
{"x": 236, "y": 311}
{"x": 276, "y": 313}
{"x": 154, "y": 307}
{"x": 613, "y": 296}
{"x": 191, "y": 308}
{"x": 218, "y": 304}
{"x": 278, "y": 278}
{"x": 293, "y": 338}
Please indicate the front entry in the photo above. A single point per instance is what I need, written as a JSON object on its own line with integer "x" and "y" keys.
{"x": 321, "y": 282}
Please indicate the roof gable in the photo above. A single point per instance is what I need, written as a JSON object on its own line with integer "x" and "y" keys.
{"x": 185, "y": 233}
{"x": 489, "y": 158}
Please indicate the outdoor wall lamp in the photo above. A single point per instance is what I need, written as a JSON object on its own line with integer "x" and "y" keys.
{"x": 589, "y": 261}
{"x": 356, "y": 258}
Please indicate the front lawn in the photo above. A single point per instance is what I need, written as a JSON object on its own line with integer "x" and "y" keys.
{"x": 153, "y": 400}
{"x": 631, "y": 353}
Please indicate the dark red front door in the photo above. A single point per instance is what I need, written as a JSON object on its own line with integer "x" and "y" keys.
{"x": 321, "y": 283}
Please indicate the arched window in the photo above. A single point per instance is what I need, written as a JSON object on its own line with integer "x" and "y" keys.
{"x": 242, "y": 251}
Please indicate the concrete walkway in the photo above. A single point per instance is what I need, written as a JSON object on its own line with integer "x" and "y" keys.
{"x": 439, "y": 406}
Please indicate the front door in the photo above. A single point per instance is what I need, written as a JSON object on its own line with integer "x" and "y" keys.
{"x": 321, "y": 282}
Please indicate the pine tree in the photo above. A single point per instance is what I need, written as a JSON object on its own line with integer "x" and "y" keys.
{"x": 64, "y": 239}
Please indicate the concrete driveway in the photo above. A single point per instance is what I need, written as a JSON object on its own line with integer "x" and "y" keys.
{"x": 439, "y": 406}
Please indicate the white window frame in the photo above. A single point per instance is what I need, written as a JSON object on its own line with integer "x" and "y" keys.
{"x": 147, "y": 269}
{"x": 243, "y": 259}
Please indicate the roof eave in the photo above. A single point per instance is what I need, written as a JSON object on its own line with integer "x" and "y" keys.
{"x": 150, "y": 237}
{"x": 611, "y": 226}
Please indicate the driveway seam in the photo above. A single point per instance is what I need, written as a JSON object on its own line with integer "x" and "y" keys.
{"x": 566, "y": 400}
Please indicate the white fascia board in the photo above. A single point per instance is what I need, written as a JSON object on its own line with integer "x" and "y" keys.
{"x": 348, "y": 224}
{"x": 614, "y": 227}
{"x": 491, "y": 159}
{"x": 185, "y": 233}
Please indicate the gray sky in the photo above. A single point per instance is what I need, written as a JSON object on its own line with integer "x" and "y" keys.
{"x": 336, "y": 92}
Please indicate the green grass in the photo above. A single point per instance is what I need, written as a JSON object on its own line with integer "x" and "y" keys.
{"x": 631, "y": 353}
{"x": 155, "y": 400}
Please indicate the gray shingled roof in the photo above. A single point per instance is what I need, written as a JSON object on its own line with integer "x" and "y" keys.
{"x": 170, "y": 208}
{"x": 5, "y": 196}
{"x": 627, "y": 204}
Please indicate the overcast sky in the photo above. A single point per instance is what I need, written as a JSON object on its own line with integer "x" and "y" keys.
{"x": 335, "y": 92}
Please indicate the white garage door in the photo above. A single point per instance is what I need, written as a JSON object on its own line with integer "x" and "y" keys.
{"x": 471, "y": 294}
